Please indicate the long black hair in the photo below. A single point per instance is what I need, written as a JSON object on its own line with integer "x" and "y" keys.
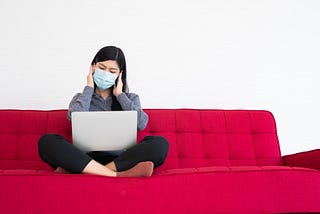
{"x": 116, "y": 54}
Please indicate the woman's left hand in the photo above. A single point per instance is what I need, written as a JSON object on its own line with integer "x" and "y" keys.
{"x": 117, "y": 88}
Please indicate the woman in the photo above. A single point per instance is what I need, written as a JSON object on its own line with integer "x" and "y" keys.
{"x": 106, "y": 90}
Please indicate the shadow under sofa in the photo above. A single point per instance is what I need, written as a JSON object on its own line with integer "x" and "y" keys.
{"x": 219, "y": 161}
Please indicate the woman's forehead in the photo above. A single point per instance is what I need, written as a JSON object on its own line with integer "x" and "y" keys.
{"x": 109, "y": 63}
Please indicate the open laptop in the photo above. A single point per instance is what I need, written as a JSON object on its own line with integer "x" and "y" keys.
{"x": 104, "y": 130}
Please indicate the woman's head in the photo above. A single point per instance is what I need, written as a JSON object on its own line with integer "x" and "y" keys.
{"x": 111, "y": 59}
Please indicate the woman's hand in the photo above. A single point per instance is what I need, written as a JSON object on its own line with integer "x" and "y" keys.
{"x": 90, "y": 78}
{"x": 117, "y": 88}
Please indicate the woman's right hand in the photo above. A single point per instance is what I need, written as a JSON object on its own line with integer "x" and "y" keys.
{"x": 90, "y": 78}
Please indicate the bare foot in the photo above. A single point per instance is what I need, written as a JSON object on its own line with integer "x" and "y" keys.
{"x": 142, "y": 169}
{"x": 61, "y": 170}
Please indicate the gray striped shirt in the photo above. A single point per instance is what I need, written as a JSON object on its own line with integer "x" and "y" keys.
{"x": 88, "y": 100}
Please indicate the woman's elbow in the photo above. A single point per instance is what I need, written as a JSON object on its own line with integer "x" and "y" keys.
{"x": 143, "y": 124}
{"x": 141, "y": 127}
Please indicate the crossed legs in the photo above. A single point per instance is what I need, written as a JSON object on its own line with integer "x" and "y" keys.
{"x": 137, "y": 161}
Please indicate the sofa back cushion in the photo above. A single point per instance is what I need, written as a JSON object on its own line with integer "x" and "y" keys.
{"x": 200, "y": 138}
{"x": 20, "y": 131}
{"x": 197, "y": 138}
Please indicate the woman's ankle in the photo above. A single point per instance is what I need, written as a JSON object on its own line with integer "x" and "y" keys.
{"x": 111, "y": 166}
{"x": 96, "y": 168}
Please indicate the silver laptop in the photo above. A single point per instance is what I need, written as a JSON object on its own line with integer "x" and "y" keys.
{"x": 104, "y": 130}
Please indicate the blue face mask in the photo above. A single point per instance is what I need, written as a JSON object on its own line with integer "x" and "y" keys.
{"x": 104, "y": 79}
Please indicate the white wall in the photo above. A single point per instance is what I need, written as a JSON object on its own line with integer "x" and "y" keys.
{"x": 180, "y": 54}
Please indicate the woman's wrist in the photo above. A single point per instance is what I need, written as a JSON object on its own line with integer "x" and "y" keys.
{"x": 118, "y": 94}
{"x": 88, "y": 91}
{"x": 90, "y": 85}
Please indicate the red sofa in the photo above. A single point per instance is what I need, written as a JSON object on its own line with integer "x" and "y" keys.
{"x": 219, "y": 161}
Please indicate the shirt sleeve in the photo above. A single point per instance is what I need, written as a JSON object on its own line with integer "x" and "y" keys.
{"x": 81, "y": 101}
{"x": 131, "y": 102}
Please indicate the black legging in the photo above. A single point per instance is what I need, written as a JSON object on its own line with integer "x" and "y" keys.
{"x": 57, "y": 151}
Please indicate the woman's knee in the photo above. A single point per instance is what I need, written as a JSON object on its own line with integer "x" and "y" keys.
{"x": 159, "y": 147}
{"x": 46, "y": 141}
{"x": 158, "y": 142}
{"x": 162, "y": 144}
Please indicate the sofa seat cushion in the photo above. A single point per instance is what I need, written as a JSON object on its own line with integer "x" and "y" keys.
{"x": 24, "y": 164}
{"x": 19, "y": 172}
{"x": 233, "y": 169}
{"x": 230, "y": 170}
{"x": 193, "y": 190}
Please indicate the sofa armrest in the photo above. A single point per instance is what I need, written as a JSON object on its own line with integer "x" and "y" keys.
{"x": 308, "y": 159}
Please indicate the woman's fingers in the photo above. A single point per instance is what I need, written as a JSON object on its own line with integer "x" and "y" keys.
{"x": 89, "y": 77}
{"x": 120, "y": 77}
{"x": 117, "y": 89}
{"x": 91, "y": 69}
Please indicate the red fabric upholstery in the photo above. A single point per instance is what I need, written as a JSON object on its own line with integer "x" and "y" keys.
{"x": 201, "y": 138}
{"x": 309, "y": 159}
{"x": 219, "y": 161}
{"x": 19, "y": 134}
